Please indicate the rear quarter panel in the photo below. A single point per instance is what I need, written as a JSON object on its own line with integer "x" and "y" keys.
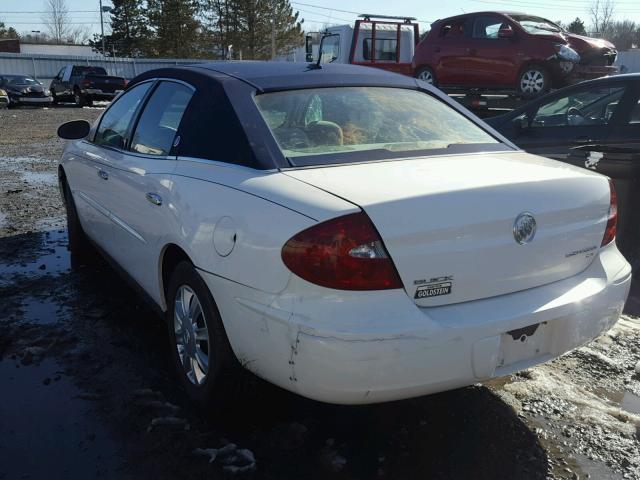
{"x": 261, "y": 209}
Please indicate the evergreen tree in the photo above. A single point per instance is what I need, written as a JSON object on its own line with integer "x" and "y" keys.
{"x": 176, "y": 28}
{"x": 577, "y": 27}
{"x": 8, "y": 32}
{"x": 248, "y": 25}
{"x": 129, "y": 30}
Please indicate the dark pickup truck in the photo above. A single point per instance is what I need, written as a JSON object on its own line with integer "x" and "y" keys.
{"x": 83, "y": 84}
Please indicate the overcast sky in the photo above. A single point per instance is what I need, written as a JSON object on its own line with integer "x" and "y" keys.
{"x": 26, "y": 15}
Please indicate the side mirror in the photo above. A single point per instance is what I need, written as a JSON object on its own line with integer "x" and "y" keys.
{"x": 520, "y": 123}
{"x": 506, "y": 33}
{"x": 74, "y": 130}
{"x": 308, "y": 48}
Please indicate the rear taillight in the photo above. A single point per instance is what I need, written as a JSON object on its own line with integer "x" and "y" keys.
{"x": 612, "y": 221}
{"x": 86, "y": 83}
{"x": 344, "y": 253}
{"x": 125, "y": 83}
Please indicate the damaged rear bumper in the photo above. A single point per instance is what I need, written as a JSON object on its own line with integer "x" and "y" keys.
{"x": 368, "y": 347}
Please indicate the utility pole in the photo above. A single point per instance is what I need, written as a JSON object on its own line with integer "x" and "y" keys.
{"x": 104, "y": 49}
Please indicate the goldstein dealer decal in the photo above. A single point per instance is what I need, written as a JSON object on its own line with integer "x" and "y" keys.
{"x": 434, "y": 287}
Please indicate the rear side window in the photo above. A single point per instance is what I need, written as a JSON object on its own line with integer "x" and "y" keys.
{"x": 159, "y": 122}
{"x": 385, "y": 49}
{"x": 453, "y": 29}
{"x": 112, "y": 131}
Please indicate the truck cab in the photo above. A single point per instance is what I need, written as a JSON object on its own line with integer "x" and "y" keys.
{"x": 373, "y": 41}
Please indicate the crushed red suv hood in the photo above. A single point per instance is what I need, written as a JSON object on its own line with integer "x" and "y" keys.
{"x": 578, "y": 42}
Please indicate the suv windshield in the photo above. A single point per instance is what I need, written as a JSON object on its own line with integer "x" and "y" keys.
{"x": 338, "y": 123}
{"x": 536, "y": 24}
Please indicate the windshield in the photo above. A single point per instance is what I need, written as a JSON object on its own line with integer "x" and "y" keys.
{"x": 17, "y": 80}
{"x": 536, "y": 24}
{"x": 341, "y": 122}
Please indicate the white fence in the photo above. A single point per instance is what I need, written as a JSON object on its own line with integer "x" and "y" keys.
{"x": 45, "y": 67}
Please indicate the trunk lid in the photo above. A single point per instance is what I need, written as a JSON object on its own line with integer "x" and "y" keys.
{"x": 448, "y": 222}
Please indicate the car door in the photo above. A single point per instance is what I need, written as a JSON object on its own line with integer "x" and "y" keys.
{"x": 56, "y": 82}
{"x": 450, "y": 50}
{"x": 491, "y": 61}
{"x": 140, "y": 182}
{"x": 90, "y": 172}
{"x": 582, "y": 116}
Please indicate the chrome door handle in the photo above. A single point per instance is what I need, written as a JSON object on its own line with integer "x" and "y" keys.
{"x": 154, "y": 198}
{"x": 103, "y": 175}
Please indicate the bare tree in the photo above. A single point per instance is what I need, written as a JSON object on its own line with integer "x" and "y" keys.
{"x": 601, "y": 12}
{"x": 56, "y": 20}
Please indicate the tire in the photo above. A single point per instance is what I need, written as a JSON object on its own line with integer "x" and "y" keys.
{"x": 79, "y": 244}
{"x": 533, "y": 81}
{"x": 199, "y": 346}
{"x": 426, "y": 75}
{"x": 78, "y": 98}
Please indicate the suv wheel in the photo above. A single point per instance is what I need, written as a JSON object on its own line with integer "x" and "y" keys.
{"x": 426, "y": 75}
{"x": 199, "y": 345}
{"x": 78, "y": 98}
{"x": 533, "y": 81}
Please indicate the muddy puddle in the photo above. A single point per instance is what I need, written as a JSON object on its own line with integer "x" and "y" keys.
{"x": 46, "y": 431}
{"x": 625, "y": 400}
{"x": 34, "y": 255}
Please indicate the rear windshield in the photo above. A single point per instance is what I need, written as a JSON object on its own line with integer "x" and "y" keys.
{"x": 89, "y": 71}
{"x": 536, "y": 25}
{"x": 346, "y": 124}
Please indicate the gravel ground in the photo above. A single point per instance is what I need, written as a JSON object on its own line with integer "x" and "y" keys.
{"x": 87, "y": 386}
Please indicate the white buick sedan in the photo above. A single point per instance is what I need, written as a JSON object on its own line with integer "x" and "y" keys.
{"x": 348, "y": 234}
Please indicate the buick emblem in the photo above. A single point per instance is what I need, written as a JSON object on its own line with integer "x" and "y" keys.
{"x": 524, "y": 228}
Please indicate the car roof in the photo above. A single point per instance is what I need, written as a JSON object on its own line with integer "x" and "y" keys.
{"x": 485, "y": 12}
{"x": 266, "y": 76}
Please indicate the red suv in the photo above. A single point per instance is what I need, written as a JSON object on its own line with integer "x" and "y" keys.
{"x": 508, "y": 52}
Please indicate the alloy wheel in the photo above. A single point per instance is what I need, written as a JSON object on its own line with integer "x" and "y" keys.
{"x": 532, "y": 81}
{"x": 426, "y": 76}
{"x": 191, "y": 335}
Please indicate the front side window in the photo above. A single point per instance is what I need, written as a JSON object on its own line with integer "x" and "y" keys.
{"x": 161, "y": 118}
{"x": 595, "y": 106}
{"x": 488, "y": 27}
{"x": 112, "y": 131}
{"x": 346, "y": 120}
{"x": 385, "y": 49}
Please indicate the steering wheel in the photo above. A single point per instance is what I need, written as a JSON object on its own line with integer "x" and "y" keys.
{"x": 572, "y": 112}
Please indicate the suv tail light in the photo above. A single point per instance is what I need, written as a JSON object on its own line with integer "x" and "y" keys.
{"x": 86, "y": 83}
{"x": 612, "y": 222}
{"x": 345, "y": 253}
